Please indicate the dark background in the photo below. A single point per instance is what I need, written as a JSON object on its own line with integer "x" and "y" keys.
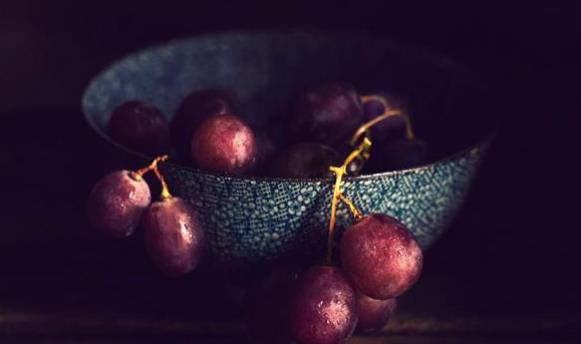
{"x": 512, "y": 253}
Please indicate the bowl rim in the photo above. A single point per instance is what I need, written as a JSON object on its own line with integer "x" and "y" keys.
{"x": 479, "y": 144}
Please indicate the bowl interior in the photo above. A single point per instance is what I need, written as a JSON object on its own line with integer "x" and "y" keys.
{"x": 264, "y": 70}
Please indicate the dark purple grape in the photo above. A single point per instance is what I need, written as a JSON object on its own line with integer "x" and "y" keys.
{"x": 327, "y": 113}
{"x": 224, "y": 143}
{"x": 323, "y": 307}
{"x": 193, "y": 110}
{"x": 391, "y": 128}
{"x": 381, "y": 256}
{"x": 268, "y": 305}
{"x": 265, "y": 150}
{"x": 397, "y": 155}
{"x": 356, "y": 166}
{"x": 304, "y": 160}
{"x": 373, "y": 314}
{"x": 117, "y": 202}
{"x": 140, "y": 126}
{"x": 173, "y": 236}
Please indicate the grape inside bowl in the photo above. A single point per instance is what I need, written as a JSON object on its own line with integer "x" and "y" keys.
{"x": 256, "y": 219}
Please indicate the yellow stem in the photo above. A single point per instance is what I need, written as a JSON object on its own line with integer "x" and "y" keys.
{"x": 139, "y": 173}
{"x": 385, "y": 114}
{"x": 165, "y": 194}
{"x": 339, "y": 172}
{"x": 409, "y": 133}
{"x": 354, "y": 211}
{"x": 362, "y": 129}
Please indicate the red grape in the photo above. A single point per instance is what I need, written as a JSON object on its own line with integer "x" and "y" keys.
{"x": 224, "y": 143}
{"x": 194, "y": 109}
{"x": 323, "y": 307}
{"x": 173, "y": 236}
{"x": 373, "y": 314}
{"x": 117, "y": 202}
{"x": 140, "y": 126}
{"x": 380, "y": 256}
{"x": 304, "y": 160}
{"x": 327, "y": 113}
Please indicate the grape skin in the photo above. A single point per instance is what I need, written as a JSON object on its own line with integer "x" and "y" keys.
{"x": 173, "y": 236}
{"x": 117, "y": 202}
{"x": 327, "y": 113}
{"x": 140, "y": 126}
{"x": 305, "y": 160}
{"x": 373, "y": 314}
{"x": 323, "y": 307}
{"x": 380, "y": 256}
{"x": 224, "y": 143}
{"x": 193, "y": 110}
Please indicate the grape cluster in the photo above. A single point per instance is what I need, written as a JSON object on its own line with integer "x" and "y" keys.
{"x": 379, "y": 258}
{"x": 208, "y": 132}
{"x": 120, "y": 202}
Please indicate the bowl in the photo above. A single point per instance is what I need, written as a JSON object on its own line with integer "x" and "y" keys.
{"x": 254, "y": 219}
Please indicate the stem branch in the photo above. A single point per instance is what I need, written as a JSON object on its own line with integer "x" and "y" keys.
{"x": 165, "y": 194}
{"x": 151, "y": 167}
{"x": 385, "y": 114}
{"x": 339, "y": 172}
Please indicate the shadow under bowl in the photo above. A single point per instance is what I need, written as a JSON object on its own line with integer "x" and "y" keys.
{"x": 251, "y": 219}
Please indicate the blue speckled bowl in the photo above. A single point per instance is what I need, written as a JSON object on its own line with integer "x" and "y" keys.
{"x": 257, "y": 219}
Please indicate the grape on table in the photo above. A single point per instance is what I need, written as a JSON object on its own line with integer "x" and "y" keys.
{"x": 323, "y": 307}
{"x": 373, "y": 314}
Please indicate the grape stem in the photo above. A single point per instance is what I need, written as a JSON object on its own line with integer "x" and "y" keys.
{"x": 361, "y": 152}
{"x": 354, "y": 211}
{"x": 165, "y": 194}
{"x": 385, "y": 114}
{"x": 151, "y": 167}
{"x": 339, "y": 172}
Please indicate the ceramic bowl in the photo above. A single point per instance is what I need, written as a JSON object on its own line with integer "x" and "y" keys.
{"x": 254, "y": 219}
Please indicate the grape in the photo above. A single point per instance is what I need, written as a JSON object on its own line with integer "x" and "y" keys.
{"x": 173, "y": 236}
{"x": 328, "y": 113}
{"x": 268, "y": 306}
{"x": 224, "y": 143}
{"x": 194, "y": 109}
{"x": 373, "y": 314}
{"x": 323, "y": 307}
{"x": 380, "y": 256}
{"x": 140, "y": 126}
{"x": 356, "y": 166}
{"x": 397, "y": 155}
{"x": 266, "y": 149}
{"x": 117, "y": 202}
{"x": 304, "y": 160}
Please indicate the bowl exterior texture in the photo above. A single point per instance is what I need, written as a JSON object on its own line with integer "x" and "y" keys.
{"x": 257, "y": 220}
